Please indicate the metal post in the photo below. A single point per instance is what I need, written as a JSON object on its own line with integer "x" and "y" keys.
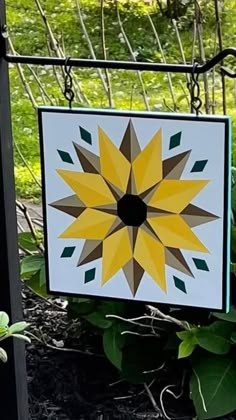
{"x": 13, "y": 379}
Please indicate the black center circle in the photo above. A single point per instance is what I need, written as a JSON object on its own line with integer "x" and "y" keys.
{"x": 132, "y": 210}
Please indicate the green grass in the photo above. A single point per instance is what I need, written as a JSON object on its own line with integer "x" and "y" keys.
{"x": 28, "y": 35}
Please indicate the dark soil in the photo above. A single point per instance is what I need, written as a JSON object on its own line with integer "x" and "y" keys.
{"x": 80, "y": 383}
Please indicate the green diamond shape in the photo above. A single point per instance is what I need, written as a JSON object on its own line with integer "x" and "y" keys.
{"x": 199, "y": 166}
{"x": 89, "y": 275}
{"x": 179, "y": 284}
{"x": 65, "y": 156}
{"x": 200, "y": 264}
{"x": 68, "y": 251}
{"x": 175, "y": 140}
{"x": 85, "y": 135}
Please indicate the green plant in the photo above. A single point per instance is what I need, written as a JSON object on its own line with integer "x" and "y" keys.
{"x": 15, "y": 331}
{"x": 213, "y": 378}
{"x": 120, "y": 338}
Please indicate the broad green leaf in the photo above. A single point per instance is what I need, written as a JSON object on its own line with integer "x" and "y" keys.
{"x": 111, "y": 307}
{"x": 98, "y": 320}
{"x": 233, "y": 337}
{"x": 80, "y": 306}
{"x": 18, "y": 327}
{"x": 212, "y": 342}
{"x": 27, "y": 241}
{"x": 186, "y": 348}
{"x": 42, "y": 276}
{"x": 185, "y": 335}
{"x": 4, "y": 319}
{"x": 215, "y": 337}
{"x": 3, "y": 355}
{"x": 31, "y": 264}
{"x": 34, "y": 284}
{"x": 98, "y": 317}
{"x": 233, "y": 267}
{"x": 222, "y": 328}
{"x": 213, "y": 385}
{"x": 230, "y": 316}
{"x": 112, "y": 344}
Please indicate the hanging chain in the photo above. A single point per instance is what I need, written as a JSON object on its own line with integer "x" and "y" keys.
{"x": 68, "y": 88}
{"x": 194, "y": 89}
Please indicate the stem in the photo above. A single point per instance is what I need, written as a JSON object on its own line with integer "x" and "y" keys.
{"x": 41, "y": 87}
{"x": 67, "y": 350}
{"x": 163, "y": 59}
{"x": 90, "y": 46}
{"x": 133, "y": 321}
{"x": 180, "y": 46}
{"x": 106, "y": 72}
{"x": 213, "y": 76}
{"x": 153, "y": 401}
{"x": 159, "y": 315}
{"x": 27, "y": 164}
{"x": 220, "y": 40}
{"x": 23, "y": 208}
{"x": 145, "y": 98}
{"x": 22, "y": 77}
{"x": 160, "y": 7}
{"x": 54, "y": 46}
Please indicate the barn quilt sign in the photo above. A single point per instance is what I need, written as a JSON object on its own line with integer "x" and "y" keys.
{"x": 137, "y": 205}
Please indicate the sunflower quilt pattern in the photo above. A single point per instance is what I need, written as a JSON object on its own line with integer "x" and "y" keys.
{"x": 134, "y": 206}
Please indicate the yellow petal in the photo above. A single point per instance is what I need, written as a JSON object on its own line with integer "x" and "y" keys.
{"x": 175, "y": 195}
{"x": 147, "y": 167}
{"x": 174, "y": 232}
{"x": 150, "y": 254}
{"x": 115, "y": 168}
{"x": 90, "y": 188}
{"x": 116, "y": 253}
{"x": 91, "y": 224}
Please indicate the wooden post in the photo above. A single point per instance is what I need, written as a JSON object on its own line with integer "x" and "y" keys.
{"x": 13, "y": 379}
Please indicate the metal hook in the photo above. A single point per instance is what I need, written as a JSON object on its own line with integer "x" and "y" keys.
{"x": 194, "y": 88}
{"x": 68, "y": 89}
{"x": 228, "y": 72}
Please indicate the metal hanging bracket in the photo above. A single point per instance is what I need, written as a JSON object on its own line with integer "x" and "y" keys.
{"x": 123, "y": 65}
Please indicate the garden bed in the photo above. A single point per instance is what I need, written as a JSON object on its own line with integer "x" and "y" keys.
{"x": 80, "y": 383}
{"x": 72, "y": 380}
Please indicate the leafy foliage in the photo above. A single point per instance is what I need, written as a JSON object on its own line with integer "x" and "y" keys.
{"x": 15, "y": 330}
{"x": 212, "y": 385}
{"x": 33, "y": 271}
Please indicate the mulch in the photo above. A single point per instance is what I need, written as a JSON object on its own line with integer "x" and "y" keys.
{"x": 70, "y": 379}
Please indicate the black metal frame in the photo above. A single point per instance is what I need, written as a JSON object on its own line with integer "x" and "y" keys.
{"x": 126, "y": 65}
{"x": 13, "y": 386}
